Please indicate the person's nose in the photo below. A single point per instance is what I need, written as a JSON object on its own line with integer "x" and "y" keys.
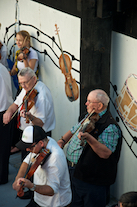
{"x": 86, "y": 103}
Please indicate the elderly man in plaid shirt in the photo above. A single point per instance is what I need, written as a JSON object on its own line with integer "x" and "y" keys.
{"x": 93, "y": 165}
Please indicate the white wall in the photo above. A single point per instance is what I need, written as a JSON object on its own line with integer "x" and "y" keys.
{"x": 123, "y": 63}
{"x": 45, "y": 18}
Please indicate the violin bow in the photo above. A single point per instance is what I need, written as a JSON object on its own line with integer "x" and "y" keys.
{"x": 86, "y": 119}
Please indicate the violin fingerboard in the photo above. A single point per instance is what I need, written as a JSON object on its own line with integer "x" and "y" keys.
{"x": 44, "y": 160}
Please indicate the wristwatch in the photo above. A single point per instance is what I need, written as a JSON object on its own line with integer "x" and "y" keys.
{"x": 33, "y": 188}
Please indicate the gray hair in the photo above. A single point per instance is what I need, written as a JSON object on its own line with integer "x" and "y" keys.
{"x": 102, "y": 97}
{"x": 27, "y": 71}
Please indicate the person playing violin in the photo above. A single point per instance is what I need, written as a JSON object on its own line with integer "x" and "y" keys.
{"x": 41, "y": 113}
{"x": 26, "y": 56}
{"x": 93, "y": 166}
{"x": 51, "y": 183}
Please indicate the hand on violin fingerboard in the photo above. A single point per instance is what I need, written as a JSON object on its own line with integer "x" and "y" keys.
{"x": 22, "y": 56}
{"x": 26, "y": 183}
{"x": 23, "y": 113}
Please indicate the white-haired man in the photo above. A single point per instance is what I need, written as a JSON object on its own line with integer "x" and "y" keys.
{"x": 93, "y": 166}
{"x": 42, "y": 112}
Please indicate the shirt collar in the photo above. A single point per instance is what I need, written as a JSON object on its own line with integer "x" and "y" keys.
{"x": 102, "y": 113}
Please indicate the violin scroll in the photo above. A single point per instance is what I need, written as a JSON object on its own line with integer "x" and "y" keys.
{"x": 21, "y": 192}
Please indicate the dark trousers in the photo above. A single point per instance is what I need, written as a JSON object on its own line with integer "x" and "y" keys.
{"x": 88, "y": 195}
{"x": 34, "y": 204}
{"x": 6, "y": 133}
{"x": 71, "y": 173}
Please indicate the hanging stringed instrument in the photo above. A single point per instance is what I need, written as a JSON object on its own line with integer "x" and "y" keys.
{"x": 71, "y": 87}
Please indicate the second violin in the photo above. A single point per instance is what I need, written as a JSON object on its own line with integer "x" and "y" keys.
{"x": 24, "y": 52}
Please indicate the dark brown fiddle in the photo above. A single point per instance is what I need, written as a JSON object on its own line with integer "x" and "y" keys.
{"x": 24, "y": 52}
{"x": 89, "y": 125}
{"x": 29, "y": 102}
{"x": 33, "y": 168}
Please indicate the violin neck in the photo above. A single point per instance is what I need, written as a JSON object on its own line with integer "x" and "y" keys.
{"x": 91, "y": 114}
{"x": 63, "y": 55}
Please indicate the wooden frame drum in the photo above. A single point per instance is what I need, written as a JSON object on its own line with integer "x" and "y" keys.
{"x": 126, "y": 102}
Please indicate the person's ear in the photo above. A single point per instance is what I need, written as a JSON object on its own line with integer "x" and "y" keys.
{"x": 35, "y": 78}
{"x": 41, "y": 143}
{"x": 100, "y": 106}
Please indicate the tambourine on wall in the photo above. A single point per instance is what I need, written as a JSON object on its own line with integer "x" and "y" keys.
{"x": 126, "y": 102}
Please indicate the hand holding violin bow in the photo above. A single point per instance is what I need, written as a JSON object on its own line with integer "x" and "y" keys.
{"x": 87, "y": 126}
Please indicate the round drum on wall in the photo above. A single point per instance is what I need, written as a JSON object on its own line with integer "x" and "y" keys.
{"x": 126, "y": 102}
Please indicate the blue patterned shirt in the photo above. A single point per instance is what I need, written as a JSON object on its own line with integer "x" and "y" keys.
{"x": 108, "y": 137}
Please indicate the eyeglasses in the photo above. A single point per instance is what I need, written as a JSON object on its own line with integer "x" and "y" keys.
{"x": 26, "y": 82}
{"x": 93, "y": 101}
{"x": 32, "y": 146}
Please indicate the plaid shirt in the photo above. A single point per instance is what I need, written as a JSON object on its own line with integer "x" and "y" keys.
{"x": 108, "y": 137}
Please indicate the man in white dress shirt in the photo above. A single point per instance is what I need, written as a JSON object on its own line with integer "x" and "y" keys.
{"x": 51, "y": 184}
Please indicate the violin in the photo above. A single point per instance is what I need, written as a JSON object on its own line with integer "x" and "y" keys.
{"x": 38, "y": 161}
{"x": 71, "y": 87}
{"x": 88, "y": 125}
{"x": 29, "y": 102}
{"x": 24, "y": 103}
{"x": 24, "y": 52}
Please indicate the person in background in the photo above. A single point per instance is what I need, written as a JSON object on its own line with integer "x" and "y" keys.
{"x": 3, "y": 54}
{"x": 26, "y": 56}
{"x": 5, "y": 130}
{"x": 93, "y": 156}
{"x": 128, "y": 199}
{"x": 51, "y": 184}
